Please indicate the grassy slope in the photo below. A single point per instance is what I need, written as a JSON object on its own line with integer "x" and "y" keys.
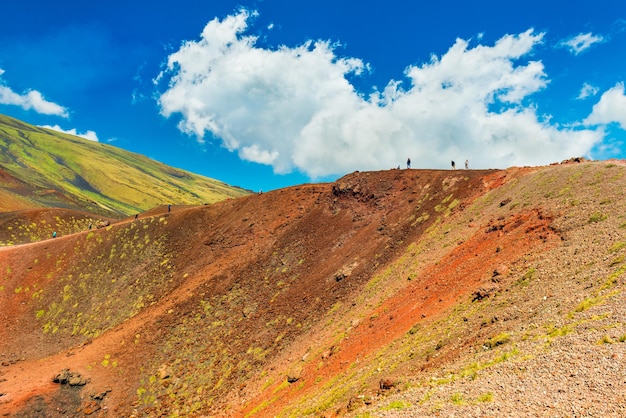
{"x": 96, "y": 177}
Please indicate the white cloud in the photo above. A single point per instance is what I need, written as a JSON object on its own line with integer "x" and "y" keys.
{"x": 293, "y": 107}
{"x": 90, "y": 135}
{"x": 31, "y": 99}
{"x": 581, "y": 42}
{"x": 587, "y": 91}
{"x": 611, "y": 108}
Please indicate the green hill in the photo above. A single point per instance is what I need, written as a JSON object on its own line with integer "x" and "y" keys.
{"x": 43, "y": 168}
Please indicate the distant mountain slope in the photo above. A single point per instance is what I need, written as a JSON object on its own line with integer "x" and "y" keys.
{"x": 404, "y": 293}
{"x": 44, "y": 168}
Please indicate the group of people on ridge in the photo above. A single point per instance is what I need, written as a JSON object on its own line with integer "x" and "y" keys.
{"x": 408, "y": 164}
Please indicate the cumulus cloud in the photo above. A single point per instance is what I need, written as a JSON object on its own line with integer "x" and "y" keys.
{"x": 90, "y": 135}
{"x": 31, "y": 99}
{"x": 581, "y": 42}
{"x": 610, "y": 109}
{"x": 294, "y": 108}
{"x": 587, "y": 91}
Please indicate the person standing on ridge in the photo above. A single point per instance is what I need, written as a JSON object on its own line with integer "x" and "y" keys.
{"x": 408, "y": 163}
{"x": 466, "y": 164}
{"x": 453, "y": 165}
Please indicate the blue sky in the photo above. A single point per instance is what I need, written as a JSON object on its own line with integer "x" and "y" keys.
{"x": 266, "y": 94}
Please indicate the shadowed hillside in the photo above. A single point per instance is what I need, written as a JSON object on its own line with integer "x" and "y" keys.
{"x": 43, "y": 168}
{"x": 401, "y": 292}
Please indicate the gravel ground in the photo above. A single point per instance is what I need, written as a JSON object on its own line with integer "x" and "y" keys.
{"x": 565, "y": 354}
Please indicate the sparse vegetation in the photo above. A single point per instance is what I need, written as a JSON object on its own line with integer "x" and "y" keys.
{"x": 527, "y": 277}
{"x": 298, "y": 304}
{"x": 559, "y": 331}
{"x": 617, "y": 246}
{"x": 457, "y": 399}
{"x": 588, "y": 303}
{"x": 606, "y": 340}
{"x": 497, "y": 340}
{"x": 485, "y": 397}
{"x": 399, "y": 404}
{"x": 597, "y": 217}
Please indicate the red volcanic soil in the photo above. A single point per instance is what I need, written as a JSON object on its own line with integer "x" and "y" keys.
{"x": 259, "y": 274}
